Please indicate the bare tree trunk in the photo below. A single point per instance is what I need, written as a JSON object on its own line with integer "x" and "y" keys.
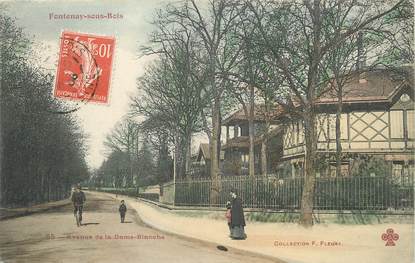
{"x": 306, "y": 215}
{"x": 3, "y": 177}
{"x": 307, "y": 200}
{"x": 48, "y": 186}
{"x": 265, "y": 137}
{"x": 339, "y": 149}
{"x": 219, "y": 136}
{"x": 214, "y": 154}
{"x": 251, "y": 129}
{"x": 188, "y": 157}
{"x": 136, "y": 158}
{"x": 264, "y": 149}
{"x": 130, "y": 169}
{"x": 42, "y": 187}
{"x": 249, "y": 112}
{"x": 178, "y": 156}
{"x": 264, "y": 157}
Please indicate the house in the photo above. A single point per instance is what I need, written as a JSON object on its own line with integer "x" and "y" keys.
{"x": 377, "y": 120}
{"x": 201, "y": 161}
{"x": 236, "y": 146}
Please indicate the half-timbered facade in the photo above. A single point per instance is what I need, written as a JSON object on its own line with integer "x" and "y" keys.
{"x": 377, "y": 120}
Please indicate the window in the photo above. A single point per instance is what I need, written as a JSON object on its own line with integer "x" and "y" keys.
{"x": 322, "y": 121}
{"x": 244, "y": 130}
{"x": 411, "y": 173}
{"x": 257, "y": 157}
{"x": 244, "y": 158}
{"x": 291, "y": 135}
{"x": 397, "y": 172}
{"x": 410, "y": 123}
{"x": 296, "y": 132}
{"x": 343, "y": 126}
{"x": 396, "y": 124}
{"x": 332, "y": 126}
{"x": 300, "y": 132}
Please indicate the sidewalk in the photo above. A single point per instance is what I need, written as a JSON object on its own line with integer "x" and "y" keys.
{"x": 8, "y": 213}
{"x": 289, "y": 242}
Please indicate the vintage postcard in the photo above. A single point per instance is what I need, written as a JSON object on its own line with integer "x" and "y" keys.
{"x": 207, "y": 131}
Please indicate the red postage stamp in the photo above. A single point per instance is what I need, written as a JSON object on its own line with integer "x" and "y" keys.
{"x": 84, "y": 67}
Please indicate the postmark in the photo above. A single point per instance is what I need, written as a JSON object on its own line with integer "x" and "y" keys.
{"x": 84, "y": 67}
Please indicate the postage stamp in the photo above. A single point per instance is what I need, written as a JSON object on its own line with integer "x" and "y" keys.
{"x": 84, "y": 67}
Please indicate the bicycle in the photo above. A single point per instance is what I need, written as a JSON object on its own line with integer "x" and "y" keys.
{"x": 78, "y": 199}
{"x": 78, "y": 215}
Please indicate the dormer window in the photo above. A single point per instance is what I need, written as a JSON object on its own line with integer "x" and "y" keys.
{"x": 405, "y": 98}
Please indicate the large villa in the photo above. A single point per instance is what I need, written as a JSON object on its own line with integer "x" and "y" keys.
{"x": 377, "y": 122}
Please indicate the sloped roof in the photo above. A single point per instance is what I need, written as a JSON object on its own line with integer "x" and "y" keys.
{"x": 259, "y": 114}
{"x": 204, "y": 148}
{"x": 205, "y": 151}
{"x": 372, "y": 86}
{"x": 376, "y": 85}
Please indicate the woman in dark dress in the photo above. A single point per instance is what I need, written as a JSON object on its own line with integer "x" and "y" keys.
{"x": 237, "y": 217}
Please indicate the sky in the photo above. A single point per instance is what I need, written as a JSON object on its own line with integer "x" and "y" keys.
{"x": 130, "y": 31}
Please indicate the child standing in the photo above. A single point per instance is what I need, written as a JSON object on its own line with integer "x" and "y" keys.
{"x": 122, "y": 210}
{"x": 228, "y": 216}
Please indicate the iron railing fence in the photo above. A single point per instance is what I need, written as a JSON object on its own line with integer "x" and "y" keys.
{"x": 270, "y": 192}
{"x": 129, "y": 192}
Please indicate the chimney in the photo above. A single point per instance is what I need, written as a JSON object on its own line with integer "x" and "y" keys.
{"x": 361, "y": 58}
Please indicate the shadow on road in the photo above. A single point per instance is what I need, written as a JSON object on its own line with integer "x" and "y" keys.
{"x": 86, "y": 224}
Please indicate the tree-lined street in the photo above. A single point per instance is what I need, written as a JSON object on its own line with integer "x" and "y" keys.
{"x": 293, "y": 114}
{"x": 54, "y": 237}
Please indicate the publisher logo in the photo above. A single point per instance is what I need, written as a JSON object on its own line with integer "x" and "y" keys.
{"x": 390, "y": 236}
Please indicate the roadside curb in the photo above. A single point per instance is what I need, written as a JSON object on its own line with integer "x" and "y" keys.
{"x": 213, "y": 244}
{"x": 261, "y": 210}
{"x": 185, "y": 237}
{"x": 30, "y": 211}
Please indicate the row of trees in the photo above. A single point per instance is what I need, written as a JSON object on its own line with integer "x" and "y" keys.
{"x": 212, "y": 56}
{"x": 134, "y": 158}
{"x": 42, "y": 151}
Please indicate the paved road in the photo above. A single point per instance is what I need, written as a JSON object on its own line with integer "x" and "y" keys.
{"x": 54, "y": 237}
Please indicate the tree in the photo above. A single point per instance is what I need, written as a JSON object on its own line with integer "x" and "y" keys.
{"x": 147, "y": 174}
{"x": 158, "y": 136}
{"x": 255, "y": 81}
{"x": 172, "y": 104}
{"x": 124, "y": 138}
{"x": 293, "y": 36}
{"x": 175, "y": 85}
{"x": 32, "y": 153}
{"x": 397, "y": 50}
{"x": 211, "y": 26}
{"x": 113, "y": 171}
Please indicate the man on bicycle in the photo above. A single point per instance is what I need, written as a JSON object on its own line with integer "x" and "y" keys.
{"x": 78, "y": 199}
